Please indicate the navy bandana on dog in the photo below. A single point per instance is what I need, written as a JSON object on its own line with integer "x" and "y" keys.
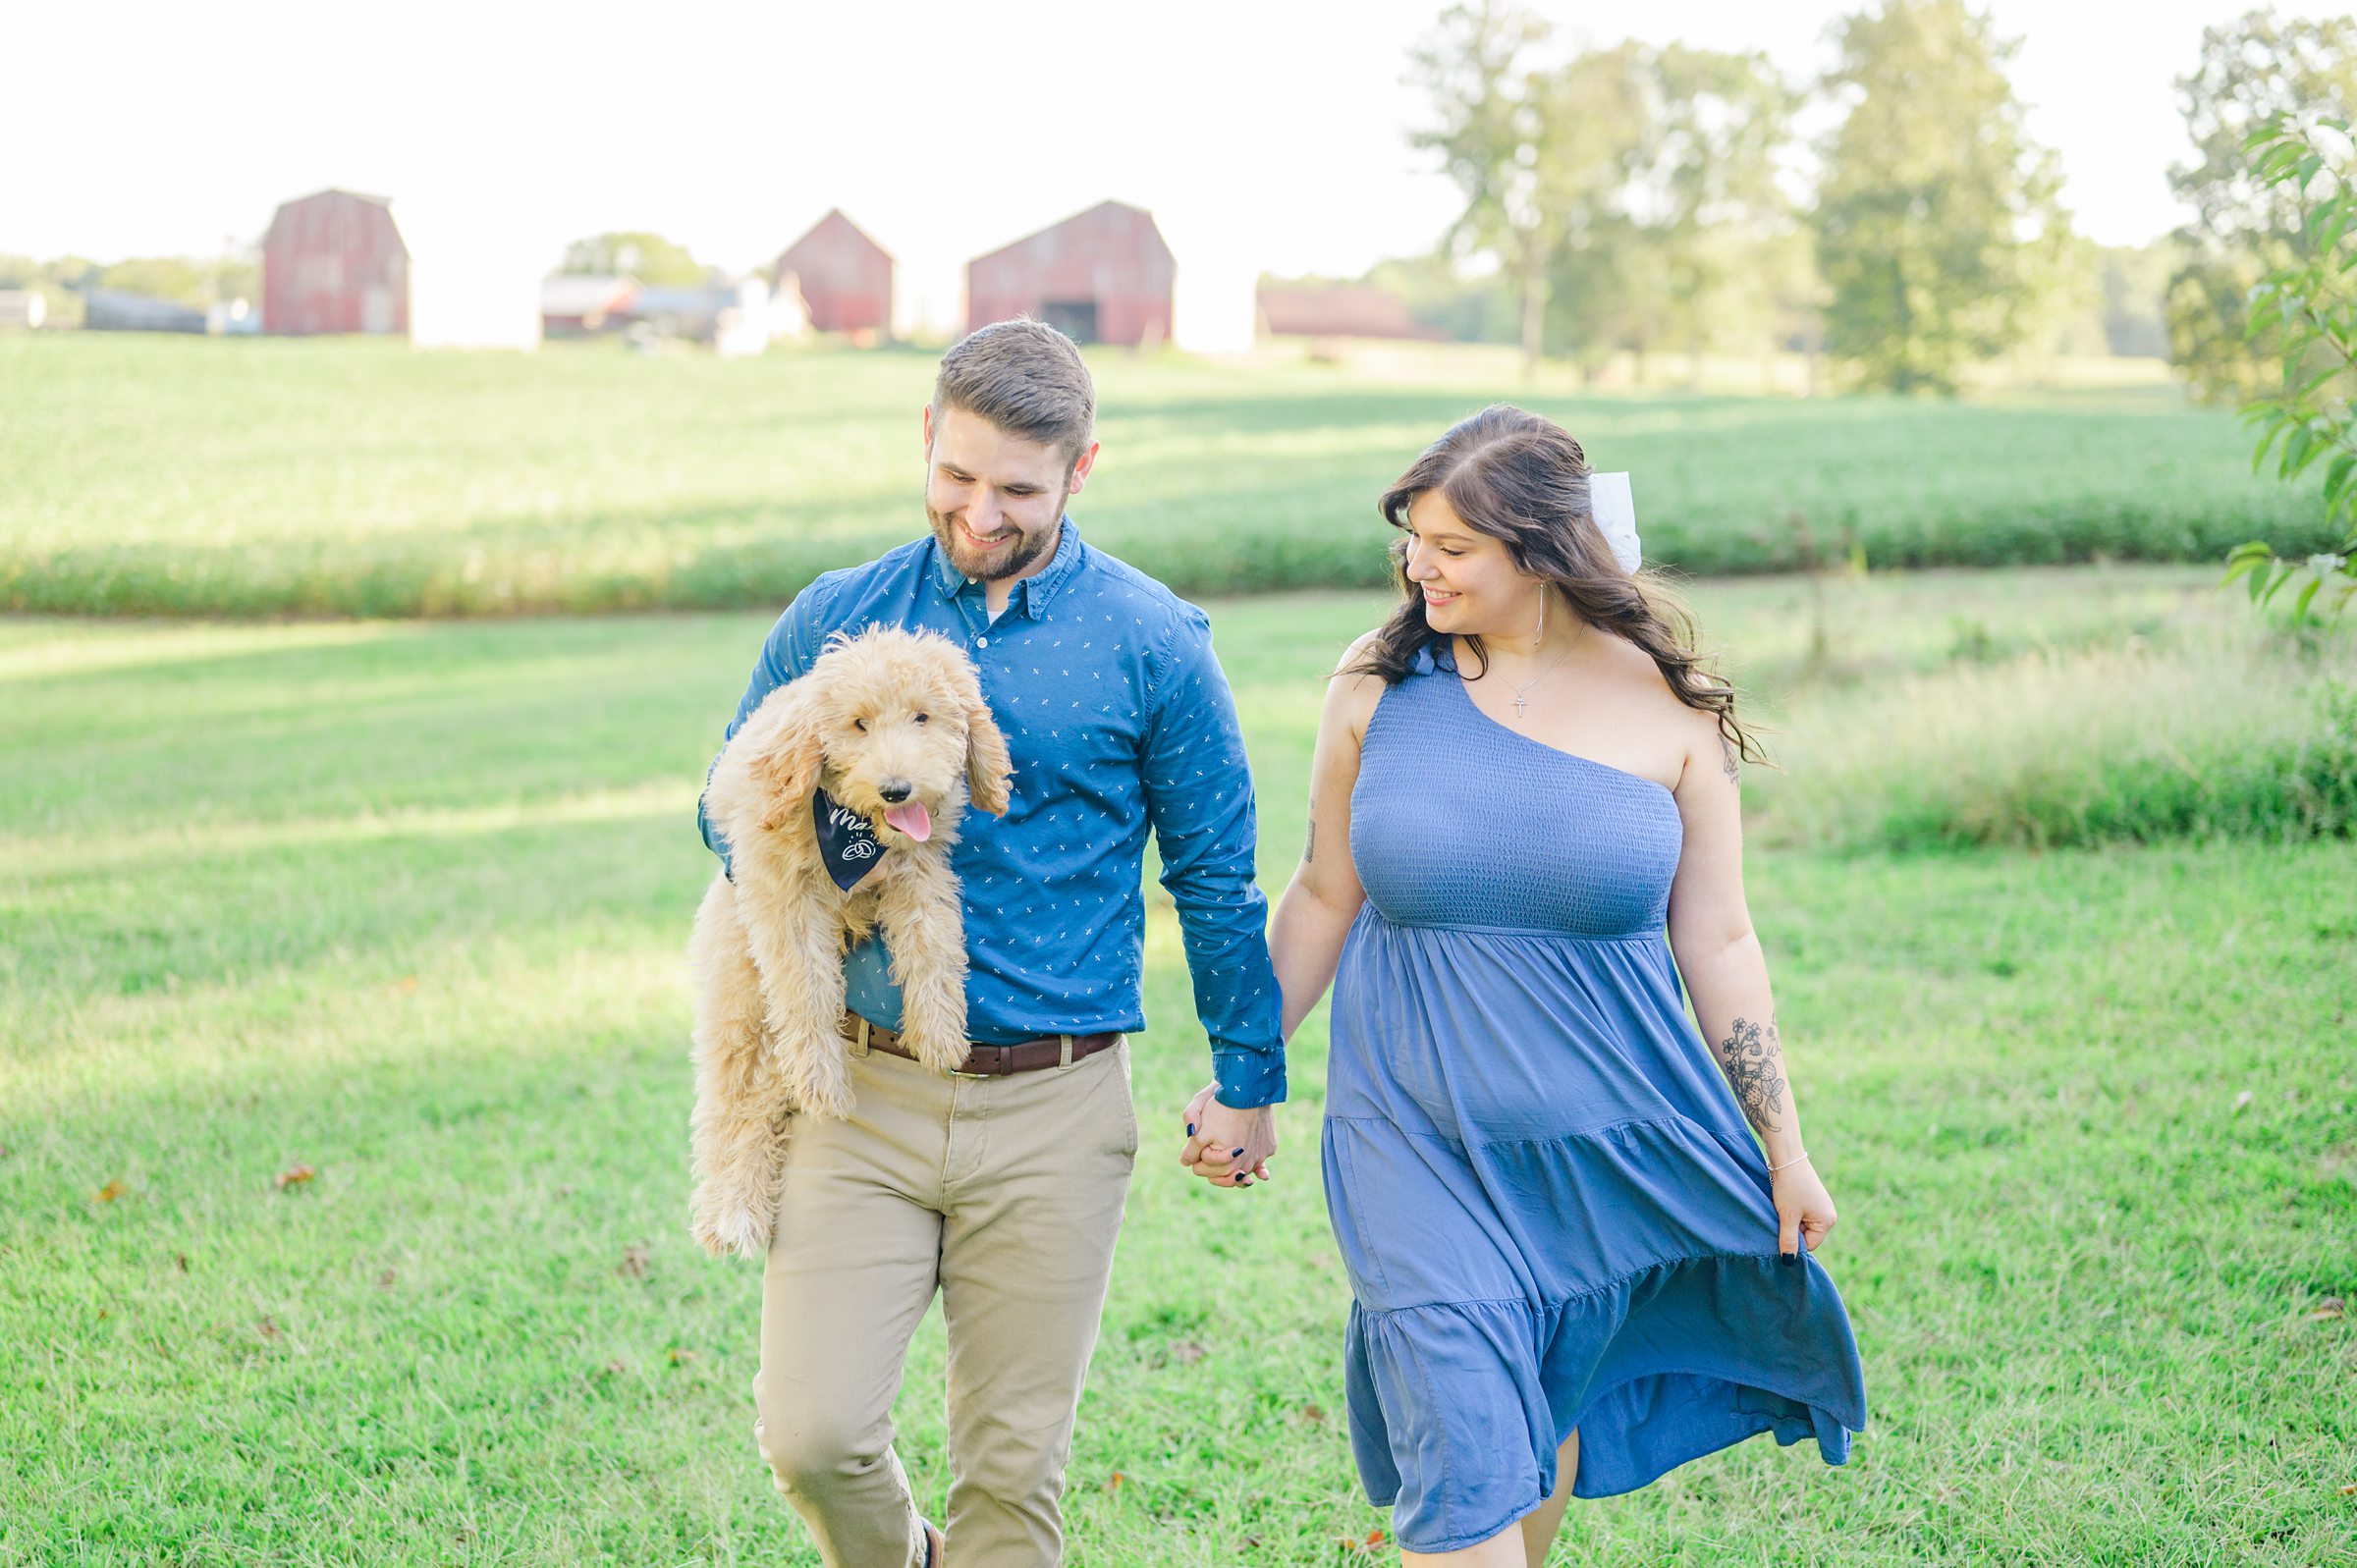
{"x": 846, "y": 843}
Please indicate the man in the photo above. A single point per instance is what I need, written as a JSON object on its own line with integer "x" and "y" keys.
{"x": 1002, "y": 1187}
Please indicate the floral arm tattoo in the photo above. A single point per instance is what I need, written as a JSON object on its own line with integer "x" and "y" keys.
{"x": 1309, "y": 854}
{"x": 1752, "y": 1056}
{"x": 1727, "y": 758}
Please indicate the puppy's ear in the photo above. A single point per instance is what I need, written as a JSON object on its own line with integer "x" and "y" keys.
{"x": 785, "y": 761}
{"x": 989, "y": 770}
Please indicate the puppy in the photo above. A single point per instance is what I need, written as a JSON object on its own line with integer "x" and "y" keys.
{"x": 840, "y": 798}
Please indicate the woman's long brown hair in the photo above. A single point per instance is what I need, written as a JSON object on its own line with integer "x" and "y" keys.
{"x": 1522, "y": 480}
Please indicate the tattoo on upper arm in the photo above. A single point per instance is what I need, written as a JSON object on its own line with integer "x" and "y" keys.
{"x": 1309, "y": 853}
{"x": 1753, "y": 1058}
{"x": 1727, "y": 756}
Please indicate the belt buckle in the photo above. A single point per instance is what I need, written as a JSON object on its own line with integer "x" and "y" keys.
{"x": 974, "y": 1072}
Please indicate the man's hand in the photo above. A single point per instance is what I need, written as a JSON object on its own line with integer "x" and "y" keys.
{"x": 1224, "y": 1146}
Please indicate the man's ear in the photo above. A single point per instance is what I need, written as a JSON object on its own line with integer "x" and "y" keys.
{"x": 786, "y": 759}
{"x": 1082, "y": 468}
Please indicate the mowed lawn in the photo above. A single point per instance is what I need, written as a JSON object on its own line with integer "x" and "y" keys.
{"x": 141, "y": 474}
{"x": 406, "y": 904}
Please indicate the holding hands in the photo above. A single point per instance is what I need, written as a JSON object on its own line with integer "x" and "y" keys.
{"x": 1227, "y": 1147}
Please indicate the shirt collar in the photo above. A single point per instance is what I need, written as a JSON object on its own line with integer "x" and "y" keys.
{"x": 1040, "y": 588}
{"x": 1033, "y": 594}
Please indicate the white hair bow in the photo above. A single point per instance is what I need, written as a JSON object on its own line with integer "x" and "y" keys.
{"x": 1615, "y": 509}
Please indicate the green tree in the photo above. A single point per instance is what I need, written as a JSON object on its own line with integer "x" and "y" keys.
{"x": 2302, "y": 321}
{"x": 1938, "y": 225}
{"x": 1489, "y": 129}
{"x": 1470, "y": 309}
{"x": 1720, "y": 218}
{"x": 2253, "y": 72}
{"x": 1600, "y": 115}
{"x": 648, "y": 258}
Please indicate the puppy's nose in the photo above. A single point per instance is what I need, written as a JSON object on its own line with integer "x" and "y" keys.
{"x": 895, "y": 791}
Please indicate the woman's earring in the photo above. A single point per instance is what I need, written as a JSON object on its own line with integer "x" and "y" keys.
{"x": 1538, "y": 638}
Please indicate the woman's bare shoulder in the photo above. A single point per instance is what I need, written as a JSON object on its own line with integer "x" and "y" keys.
{"x": 1354, "y": 689}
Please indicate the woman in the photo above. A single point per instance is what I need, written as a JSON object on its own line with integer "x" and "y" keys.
{"x": 1573, "y": 1269}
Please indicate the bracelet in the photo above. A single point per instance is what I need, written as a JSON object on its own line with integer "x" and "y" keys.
{"x": 1789, "y": 1164}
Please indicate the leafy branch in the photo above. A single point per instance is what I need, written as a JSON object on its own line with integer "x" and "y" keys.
{"x": 2304, "y": 314}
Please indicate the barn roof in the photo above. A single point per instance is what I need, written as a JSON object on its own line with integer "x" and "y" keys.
{"x": 1066, "y": 223}
{"x": 836, "y": 218}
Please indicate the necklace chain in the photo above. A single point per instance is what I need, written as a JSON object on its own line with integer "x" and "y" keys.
{"x": 1521, "y": 708}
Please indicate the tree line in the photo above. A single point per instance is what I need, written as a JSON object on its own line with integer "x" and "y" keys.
{"x": 1639, "y": 199}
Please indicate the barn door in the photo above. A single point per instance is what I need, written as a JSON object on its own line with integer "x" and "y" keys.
{"x": 1077, "y": 320}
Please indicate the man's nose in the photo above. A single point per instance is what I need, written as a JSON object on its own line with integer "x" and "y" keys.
{"x": 893, "y": 791}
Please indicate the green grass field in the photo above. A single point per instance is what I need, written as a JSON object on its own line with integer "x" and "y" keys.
{"x": 141, "y": 475}
{"x": 406, "y": 903}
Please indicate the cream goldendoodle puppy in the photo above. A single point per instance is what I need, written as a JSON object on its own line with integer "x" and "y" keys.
{"x": 840, "y": 798}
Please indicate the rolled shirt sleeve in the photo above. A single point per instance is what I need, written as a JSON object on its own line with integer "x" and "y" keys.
{"x": 1198, "y": 789}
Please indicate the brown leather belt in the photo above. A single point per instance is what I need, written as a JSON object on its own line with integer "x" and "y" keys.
{"x": 987, "y": 1061}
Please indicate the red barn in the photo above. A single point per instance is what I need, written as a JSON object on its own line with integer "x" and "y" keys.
{"x": 334, "y": 263}
{"x": 1104, "y": 276}
{"x": 845, "y": 277}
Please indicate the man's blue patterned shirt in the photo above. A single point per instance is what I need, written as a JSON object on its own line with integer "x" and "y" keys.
{"x": 1120, "y": 720}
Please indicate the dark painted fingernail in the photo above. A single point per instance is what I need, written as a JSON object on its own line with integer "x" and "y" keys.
{"x": 1239, "y": 1155}
{"x": 1190, "y": 1130}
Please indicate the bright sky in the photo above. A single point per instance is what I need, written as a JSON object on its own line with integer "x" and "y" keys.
{"x": 1262, "y": 135}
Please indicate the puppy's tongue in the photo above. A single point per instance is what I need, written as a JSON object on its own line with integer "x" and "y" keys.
{"x": 912, "y": 819}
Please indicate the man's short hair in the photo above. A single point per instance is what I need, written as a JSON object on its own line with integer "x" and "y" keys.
{"x": 1024, "y": 377}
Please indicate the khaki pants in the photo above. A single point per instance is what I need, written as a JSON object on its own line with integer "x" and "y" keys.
{"x": 1005, "y": 1193}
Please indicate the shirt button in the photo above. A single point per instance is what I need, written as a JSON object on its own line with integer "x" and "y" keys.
{"x": 981, "y": 642}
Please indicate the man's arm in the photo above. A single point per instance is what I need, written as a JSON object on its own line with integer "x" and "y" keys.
{"x": 1199, "y": 802}
{"x": 785, "y": 655}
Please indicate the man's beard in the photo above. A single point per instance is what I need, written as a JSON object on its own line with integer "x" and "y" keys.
{"x": 1007, "y": 561}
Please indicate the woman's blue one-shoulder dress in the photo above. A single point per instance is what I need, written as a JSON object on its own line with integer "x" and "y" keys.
{"x": 1552, "y": 1211}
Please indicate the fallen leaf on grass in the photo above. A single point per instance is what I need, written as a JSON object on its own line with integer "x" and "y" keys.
{"x": 111, "y": 1191}
{"x": 269, "y": 1329}
{"x": 1187, "y": 1352}
{"x": 179, "y": 1261}
{"x": 2328, "y": 1308}
{"x": 1315, "y": 1414}
{"x": 294, "y": 1176}
{"x": 384, "y": 1281}
{"x": 2241, "y": 1100}
{"x": 617, "y": 1369}
{"x": 2349, "y": 1491}
{"x": 681, "y": 1357}
{"x": 633, "y": 1262}
{"x": 1114, "y": 1481}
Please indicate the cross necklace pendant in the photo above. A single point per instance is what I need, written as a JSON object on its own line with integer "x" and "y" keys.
{"x": 1521, "y": 705}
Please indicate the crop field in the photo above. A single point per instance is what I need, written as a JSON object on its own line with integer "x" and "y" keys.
{"x": 263, "y": 477}
{"x": 343, "y": 1006}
